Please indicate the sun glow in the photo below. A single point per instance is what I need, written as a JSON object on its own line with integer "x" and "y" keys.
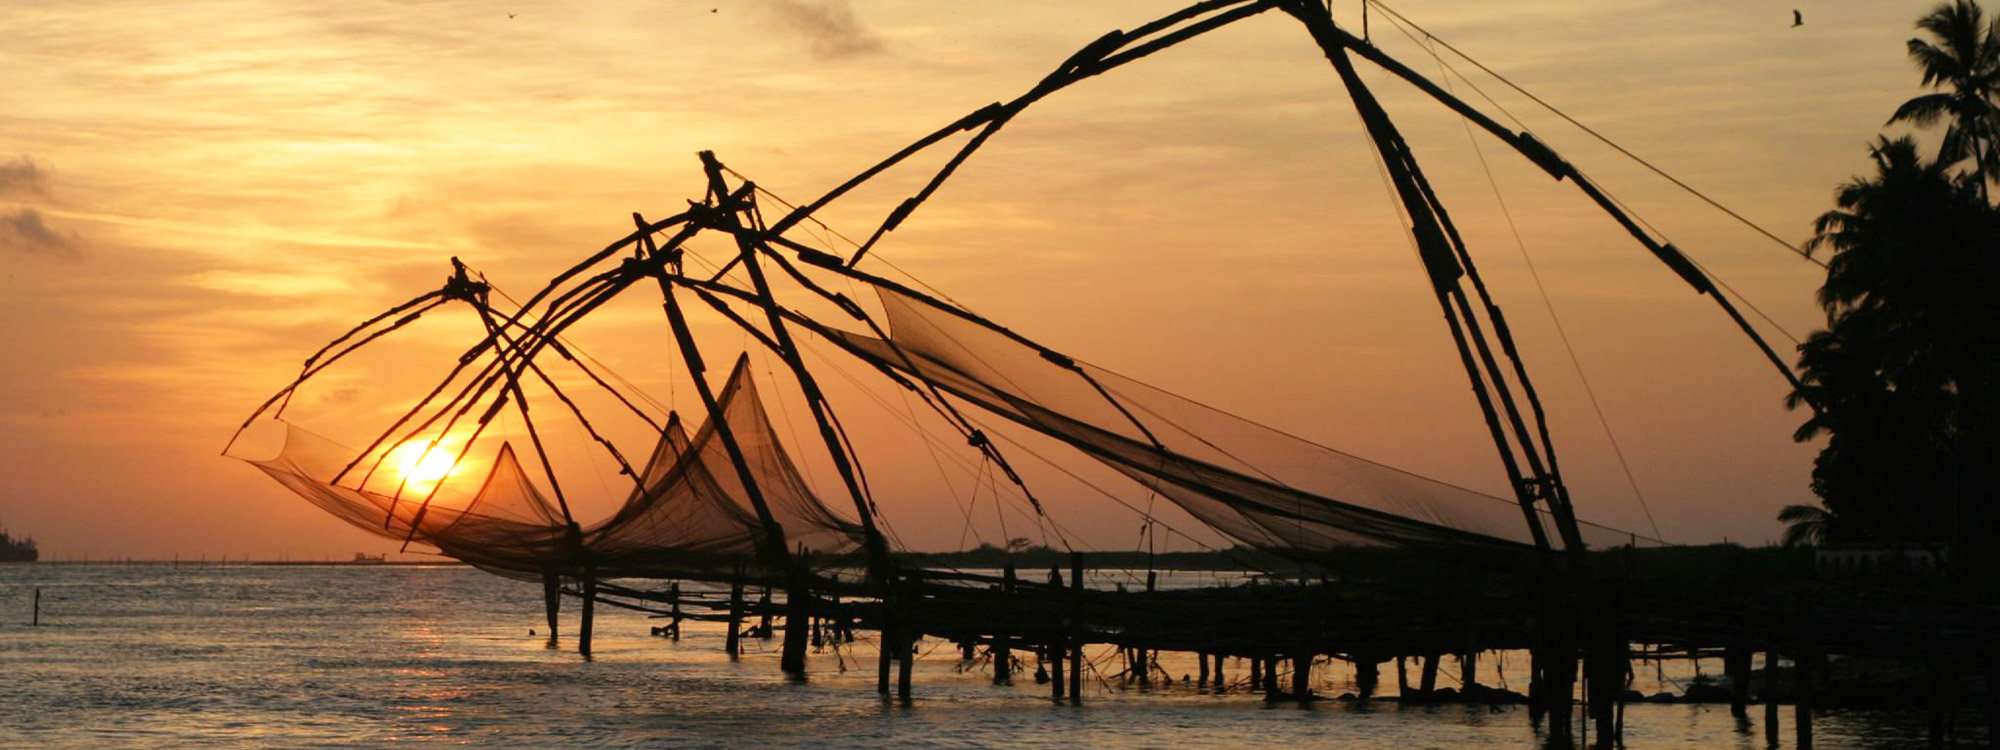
{"x": 419, "y": 466}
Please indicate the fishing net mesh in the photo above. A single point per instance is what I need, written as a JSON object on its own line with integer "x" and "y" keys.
{"x": 689, "y": 511}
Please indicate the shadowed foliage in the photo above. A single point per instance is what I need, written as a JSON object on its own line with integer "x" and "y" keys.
{"x": 1962, "y": 63}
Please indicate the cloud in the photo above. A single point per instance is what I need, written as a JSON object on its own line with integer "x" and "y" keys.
{"x": 23, "y": 178}
{"x": 24, "y": 232}
{"x": 829, "y": 25}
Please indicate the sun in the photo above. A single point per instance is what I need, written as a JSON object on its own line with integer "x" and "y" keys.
{"x": 419, "y": 467}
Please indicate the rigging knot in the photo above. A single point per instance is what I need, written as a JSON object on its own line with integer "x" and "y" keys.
{"x": 460, "y": 285}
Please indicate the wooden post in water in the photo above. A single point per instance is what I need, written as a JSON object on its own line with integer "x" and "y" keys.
{"x": 1430, "y": 677}
{"x": 1201, "y": 667}
{"x": 1403, "y": 678}
{"x": 674, "y": 626}
{"x": 589, "y": 587}
{"x": 1076, "y": 629}
{"x": 764, "y": 614}
{"x": 907, "y": 632}
{"x": 552, "y": 601}
{"x": 37, "y": 621}
{"x": 1003, "y": 652}
{"x": 1736, "y": 665}
{"x": 1802, "y": 680}
{"x": 1143, "y": 657}
{"x": 1771, "y": 697}
{"x": 731, "y": 643}
{"x": 1055, "y": 647}
{"x": 1256, "y": 673}
{"x": 798, "y": 607}
{"x": 1270, "y": 678}
{"x": 1367, "y": 674}
{"x": 1302, "y": 667}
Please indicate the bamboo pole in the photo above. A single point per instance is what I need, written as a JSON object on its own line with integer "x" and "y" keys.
{"x": 552, "y": 602}
{"x": 588, "y": 586}
{"x": 1003, "y": 653}
{"x": 1076, "y": 629}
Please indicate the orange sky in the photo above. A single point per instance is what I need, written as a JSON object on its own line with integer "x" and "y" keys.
{"x": 194, "y": 196}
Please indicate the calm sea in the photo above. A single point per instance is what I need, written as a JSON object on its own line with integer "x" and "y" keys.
{"x": 249, "y": 656}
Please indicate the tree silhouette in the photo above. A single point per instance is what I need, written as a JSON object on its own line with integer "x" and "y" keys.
{"x": 1805, "y": 525}
{"x": 1903, "y": 373}
{"x": 1963, "y": 62}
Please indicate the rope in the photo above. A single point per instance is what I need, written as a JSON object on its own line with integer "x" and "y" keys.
{"x": 1796, "y": 250}
{"x": 1548, "y": 304}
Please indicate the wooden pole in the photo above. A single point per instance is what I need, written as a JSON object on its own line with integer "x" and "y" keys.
{"x": 1802, "y": 680}
{"x": 1403, "y": 679}
{"x": 1144, "y": 656}
{"x": 731, "y": 643}
{"x": 1367, "y": 675}
{"x": 1736, "y": 664}
{"x": 589, "y": 586}
{"x": 1771, "y": 697}
{"x": 1430, "y": 676}
{"x": 906, "y": 634}
{"x": 37, "y": 621}
{"x": 1003, "y": 652}
{"x": 1055, "y": 647}
{"x": 552, "y": 601}
{"x": 1256, "y": 673}
{"x": 674, "y": 628}
{"x": 1221, "y": 684}
{"x": 1302, "y": 667}
{"x": 1076, "y": 629}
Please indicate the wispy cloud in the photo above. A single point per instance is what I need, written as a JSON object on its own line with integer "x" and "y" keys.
{"x": 23, "y": 231}
{"x": 829, "y": 25}
{"x": 22, "y": 178}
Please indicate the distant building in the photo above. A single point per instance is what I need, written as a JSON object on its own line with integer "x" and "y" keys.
{"x": 1867, "y": 560}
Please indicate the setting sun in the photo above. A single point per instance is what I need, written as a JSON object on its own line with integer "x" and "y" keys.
{"x": 418, "y": 466}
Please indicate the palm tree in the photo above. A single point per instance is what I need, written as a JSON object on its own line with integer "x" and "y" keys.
{"x": 1904, "y": 375}
{"x": 1964, "y": 64}
{"x": 1805, "y": 525}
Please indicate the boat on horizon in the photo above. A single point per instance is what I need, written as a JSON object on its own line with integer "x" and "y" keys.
{"x": 18, "y": 549}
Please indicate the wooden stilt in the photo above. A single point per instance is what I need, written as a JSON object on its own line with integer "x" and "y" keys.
{"x": 674, "y": 626}
{"x": 906, "y": 647}
{"x": 887, "y": 653}
{"x": 1076, "y": 629}
{"x": 1201, "y": 670}
{"x": 1403, "y": 677}
{"x": 1771, "y": 697}
{"x": 1142, "y": 656}
{"x": 731, "y": 642}
{"x": 1003, "y": 652}
{"x": 1367, "y": 673}
{"x": 1271, "y": 678}
{"x": 1802, "y": 680}
{"x": 589, "y": 586}
{"x": 797, "y": 610}
{"x": 1736, "y": 665}
{"x": 764, "y": 613}
{"x": 1256, "y": 673}
{"x": 1218, "y": 680}
{"x": 1302, "y": 667}
{"x": 1056, "y": 650}
{"x": 1468, "y": 669}
{"x": 1428, "y": 684}
{"x": 552, "y": 601}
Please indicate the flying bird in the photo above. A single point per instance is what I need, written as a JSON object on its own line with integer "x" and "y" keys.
{"x": 1798, "y": 19}
{"x": 510, "y": 15}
